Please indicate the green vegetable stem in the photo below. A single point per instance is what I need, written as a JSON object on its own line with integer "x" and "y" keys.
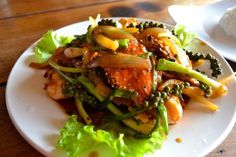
{"x": 163, "y": 115}
{"x": 165, "y": 65}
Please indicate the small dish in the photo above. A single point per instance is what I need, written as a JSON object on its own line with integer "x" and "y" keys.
{"x": 205, "y": 22}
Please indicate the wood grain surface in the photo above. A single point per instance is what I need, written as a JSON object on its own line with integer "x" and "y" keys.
{"x": 23, "y": 22}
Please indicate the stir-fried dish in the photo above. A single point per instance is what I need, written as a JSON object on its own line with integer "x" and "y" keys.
{"x": 128, "y": 81}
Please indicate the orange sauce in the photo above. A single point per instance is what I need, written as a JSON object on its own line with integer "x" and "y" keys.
{"x": 179, "y": 140}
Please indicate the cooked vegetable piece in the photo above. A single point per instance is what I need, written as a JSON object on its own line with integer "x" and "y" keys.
{"x": 119, "y": 93}
{"x": 73, "y": 52}
{"x": 166, "y": 65}
{"x": 54, "y": 85}
{"x": 227, "y": 79}
{"x": 174, "y": 109}
{"x": 142, "y": 128}
{"x": 154, "y": 75}
{"x": 169, "y": 83}
{"x": 82, "y": 112}
{"x": 130, "y": 114}
{"x": 65, "y": 69}
{"x": 130, "y": 30}
{"x": 114, "y": 33}
{"x": 121, "y": 60}
{"x": 203, "y": 101}
{"x": 123, "y": 43}
{"x": 156, "y": 32}
{"x": 164, "y": 116}
{"x": 91, "y": 28}
{"x": 106, "y": 42}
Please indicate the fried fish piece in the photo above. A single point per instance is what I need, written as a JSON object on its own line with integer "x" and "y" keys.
{"x": 139, "y": 80}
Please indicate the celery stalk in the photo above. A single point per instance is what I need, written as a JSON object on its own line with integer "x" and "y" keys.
{"x": 165, "y": 65}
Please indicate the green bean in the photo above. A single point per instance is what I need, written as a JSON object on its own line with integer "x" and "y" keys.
{"x": 163, "y": 115}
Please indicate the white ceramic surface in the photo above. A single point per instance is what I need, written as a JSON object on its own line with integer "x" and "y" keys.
{"x": 204, "y": 21}
{"x": 38, "y": 118}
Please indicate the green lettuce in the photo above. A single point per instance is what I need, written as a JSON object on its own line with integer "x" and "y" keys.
{"x": 47, "y": 45}
{"x": 185, "y": 37}
{"x": 78, "y": 140}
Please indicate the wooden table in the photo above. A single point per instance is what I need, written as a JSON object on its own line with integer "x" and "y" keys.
{"x": 22, "y": 22}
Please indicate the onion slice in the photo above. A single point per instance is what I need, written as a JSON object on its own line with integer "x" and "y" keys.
{"x": 114, "y": 32}
{"x": 72, "y": 52}
{"x": 106, "y": 42}
{"x": 121, "y": 60}
{"x": 131, "y": 30}
{"x": 65, "y": 69}
{"x": 169, "y": 83}
{"x": 194, "y": 94}
{"x": 156, "y": 32}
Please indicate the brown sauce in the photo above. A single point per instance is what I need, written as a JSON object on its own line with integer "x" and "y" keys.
{"x": 93, "y": 154}
{"x": 69, "y": 107}
{"x": 203, "y": 43}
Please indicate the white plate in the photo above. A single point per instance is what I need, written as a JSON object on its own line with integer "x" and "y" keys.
{"x": 204, "y": 21}
{"x": 38, "y": 118}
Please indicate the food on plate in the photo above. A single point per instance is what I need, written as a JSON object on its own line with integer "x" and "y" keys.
{"x": 128, "y": 81}
{"x": 228, "y": 21}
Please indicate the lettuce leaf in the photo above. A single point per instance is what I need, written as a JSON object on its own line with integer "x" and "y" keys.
{"x": 47, "y": 45}
{"x": 185, "y": 37}
{"x": 77, "y": 138}
{"x": 139, "y": 147}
